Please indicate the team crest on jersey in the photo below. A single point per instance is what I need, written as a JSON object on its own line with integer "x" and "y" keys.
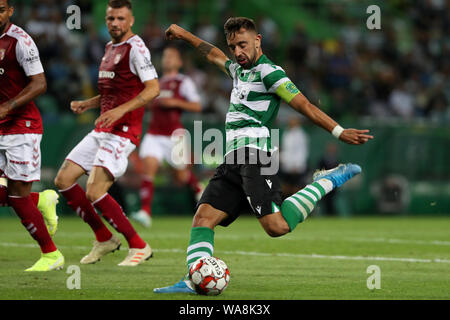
{"x": 252, "y": 76}
{"x": 2, "y": 54}
{"x": 117, "y": 58}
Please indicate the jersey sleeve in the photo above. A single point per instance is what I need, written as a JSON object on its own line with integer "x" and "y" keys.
{"x": 276, "y": 81}
{"x": 27, "y": 55}
{"x": 189, "y": 91}
{"x": 141, "y": 64}
{"x": 231, "y": 67}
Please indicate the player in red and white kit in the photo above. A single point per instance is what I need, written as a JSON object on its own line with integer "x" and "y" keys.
{"x": 22, "y": 79}
{"x": 178, "y": 94}
{"x": 127, "y": 82}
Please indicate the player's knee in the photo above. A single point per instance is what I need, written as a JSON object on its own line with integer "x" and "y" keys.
{"x": 92, "y": 196}
{"x": 202, "y": 220}
{"x": 61, "y": 182}
{"x": 204, "y": 217}
{"x": 276, "y": 230}
{"x": 275, "y": 233}
{"x": 93, "y": 193}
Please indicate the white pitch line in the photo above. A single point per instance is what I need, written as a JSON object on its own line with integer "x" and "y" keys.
{"x": 321, "y": 256}
{"x": 292, "y": 238}
{"x": 264, "y": 254}
{"x": 403, "y": 241}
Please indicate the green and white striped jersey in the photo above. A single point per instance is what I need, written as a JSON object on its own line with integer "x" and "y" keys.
{"x": 254, "y": 103}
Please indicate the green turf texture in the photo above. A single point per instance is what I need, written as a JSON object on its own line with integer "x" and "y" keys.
{"x": 324, "y": 258}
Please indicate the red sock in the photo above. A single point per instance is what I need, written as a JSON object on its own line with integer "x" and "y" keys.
{"x": 146, "y": 194}
{"x": 115, "y": 216}
{"x": 4, "y": 197}
{"x": 76, "y": 199}
{"x": 35, "y": 198}
{"x": 193, "y": 182}
{"x": 33, "y": 222}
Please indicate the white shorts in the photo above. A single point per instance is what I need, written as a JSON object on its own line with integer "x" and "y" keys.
{"x": 20, "y": 157}
{"x": 101, "y": 149}
{"x": 174, "y": 149}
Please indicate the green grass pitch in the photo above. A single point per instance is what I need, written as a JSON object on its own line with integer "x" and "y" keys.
{"x": 324, "y": 258}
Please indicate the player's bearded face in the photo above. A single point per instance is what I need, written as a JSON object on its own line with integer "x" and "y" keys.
{"x": 245, "y": 45}
{"x": 119, "y": 22}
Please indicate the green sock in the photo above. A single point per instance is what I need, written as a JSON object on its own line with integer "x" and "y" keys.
{"x": 297, "y": 207}
{"x": 201, "y": 244}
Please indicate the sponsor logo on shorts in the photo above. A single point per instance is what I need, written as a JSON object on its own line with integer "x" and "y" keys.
{"x": 2, "y": 71}
{"x": 106, "y": 149}
{"x": 22, "y": 163}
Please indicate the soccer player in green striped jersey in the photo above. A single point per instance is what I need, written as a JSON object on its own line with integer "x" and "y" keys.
{"x": 240, "y": 183}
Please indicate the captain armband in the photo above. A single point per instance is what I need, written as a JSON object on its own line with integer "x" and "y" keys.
{"x": 287, "y": 91}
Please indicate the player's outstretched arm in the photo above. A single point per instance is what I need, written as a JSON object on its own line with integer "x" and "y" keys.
{"x": 178, "y": 103}
{"x": 210, "y": 52}
{"x": 36, "y": 87}
{"x": 150, "y": 92}
{"x": 320, "y": 118}
{"x": 79, "y": 107}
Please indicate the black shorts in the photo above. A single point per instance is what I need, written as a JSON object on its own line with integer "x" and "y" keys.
{"x": 238, "y": 188}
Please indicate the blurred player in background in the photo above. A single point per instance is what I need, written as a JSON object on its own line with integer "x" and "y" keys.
{"x": 127, "y": 82}
{"x": 294, "y": 157}
{"x": 22, "y": 80}
{"x": 240, "y": 183}
{"x": 178, "y": 94}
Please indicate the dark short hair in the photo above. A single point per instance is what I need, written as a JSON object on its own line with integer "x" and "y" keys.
{"x": 235, "y": 24}
{"x": 117, "y": 4}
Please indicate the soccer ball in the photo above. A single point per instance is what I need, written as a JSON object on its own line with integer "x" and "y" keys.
{"x": 209, "y": 275}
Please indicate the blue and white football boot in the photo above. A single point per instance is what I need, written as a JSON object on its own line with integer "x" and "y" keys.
{"x": 339, "y": 175}
{"x": 183, "y": 286}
